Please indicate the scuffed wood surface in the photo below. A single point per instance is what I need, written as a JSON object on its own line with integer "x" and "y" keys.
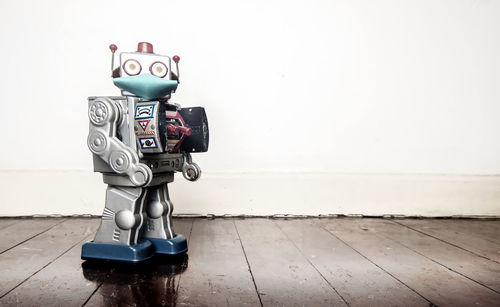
{"x": 260, "y": 262}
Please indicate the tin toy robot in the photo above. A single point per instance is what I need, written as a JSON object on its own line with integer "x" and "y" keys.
{"x": 138, "y": 141}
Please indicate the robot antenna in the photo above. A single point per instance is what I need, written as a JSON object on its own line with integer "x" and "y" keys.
{"x": 176, "y": 59}
{"x": 113, "y": 49}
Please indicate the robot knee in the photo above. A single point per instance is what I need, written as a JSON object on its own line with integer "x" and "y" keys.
{"x": 125, "y": 219}
{"x": 155, "y": 209}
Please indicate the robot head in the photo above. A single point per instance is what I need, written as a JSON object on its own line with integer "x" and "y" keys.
{"x": 144, "y": 73}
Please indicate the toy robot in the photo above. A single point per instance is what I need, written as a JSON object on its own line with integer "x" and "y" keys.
{"x": 138, "y": 141}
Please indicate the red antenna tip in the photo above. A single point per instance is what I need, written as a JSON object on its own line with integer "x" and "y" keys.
{"x": 176, "y": 58}
{"x": 113, "y": 48}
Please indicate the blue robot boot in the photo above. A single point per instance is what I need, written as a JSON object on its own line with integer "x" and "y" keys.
{"x": 118, "y": 235}
{"x": 159, "y": 229}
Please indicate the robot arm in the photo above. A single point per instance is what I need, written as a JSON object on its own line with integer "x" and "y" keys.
{"x": 173, "y": 129}
{"x": 104, "y": 114}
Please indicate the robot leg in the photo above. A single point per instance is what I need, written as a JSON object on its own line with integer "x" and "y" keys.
{"x": 119, "y": 235}
{"x": 159, "y": 229}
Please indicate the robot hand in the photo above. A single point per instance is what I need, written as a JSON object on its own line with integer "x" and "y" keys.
{"x": 190, "y": 170}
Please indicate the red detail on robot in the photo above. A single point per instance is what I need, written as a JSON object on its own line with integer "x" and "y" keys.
{"x": 173, "y": 129}
{"x": 143, "y": 123}
{"x": 145, "y": 47}
{"x": 145, "y": 133}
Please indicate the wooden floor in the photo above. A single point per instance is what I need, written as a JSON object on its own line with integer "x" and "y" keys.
{"x": 266, "y": 262}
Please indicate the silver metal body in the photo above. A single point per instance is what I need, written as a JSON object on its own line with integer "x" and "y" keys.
{"x": 137, "y": 200}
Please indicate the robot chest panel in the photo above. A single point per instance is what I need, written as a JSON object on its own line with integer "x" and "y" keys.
{"x": 147, "y": 127}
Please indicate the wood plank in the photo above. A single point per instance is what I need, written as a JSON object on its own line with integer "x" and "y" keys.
{"x": 431, "y": 280}
{"x": 152, "y": 283}
{"x": 476, "y": 268}
{"x": 21, "y": 262}
{"x": 282, "y": 275}
{"x": 61, "y": 283}
{"x": 24, "y": 230}
{"x": 462, "y": 238}
{"x": 358, "y": 281}
{"x": 217, "y": 273}
{"x": 6, "y": 222}
{"x": 485, "y": 229}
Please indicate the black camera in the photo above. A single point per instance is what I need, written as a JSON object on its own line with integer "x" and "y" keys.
{"x": 196, "y": 119}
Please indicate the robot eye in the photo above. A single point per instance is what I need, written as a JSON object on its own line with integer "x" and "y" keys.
{"x": 132, "y": 67}
{"x": 158, "y": 69}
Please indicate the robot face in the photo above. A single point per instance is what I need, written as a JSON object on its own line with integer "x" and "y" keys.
{"x": 138, "y": 63}
{"x": 145, "y": 74}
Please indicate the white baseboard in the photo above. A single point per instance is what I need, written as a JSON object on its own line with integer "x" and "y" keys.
{"x": 82, "y": 192}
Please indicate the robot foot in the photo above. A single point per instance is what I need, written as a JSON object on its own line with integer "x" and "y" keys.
{"x": 175, "y": 246}
{"x": 126, "y": 253}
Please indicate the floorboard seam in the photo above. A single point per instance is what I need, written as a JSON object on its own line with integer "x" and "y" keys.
{"x": 32, "y": 237}
{"x": 332, "y": 234}
{"x": 180, "y": 275}
{"x": 8, "y": 225}
{"x": 92, "y": 294}
{"x": 442, "y": 240}
{"x": 43, "y": 267}
{"x": 491, "y": 241}
{"x": 248, "y": 264}
{"x": 300, "y": 251}
{"x": 441, "y": 264}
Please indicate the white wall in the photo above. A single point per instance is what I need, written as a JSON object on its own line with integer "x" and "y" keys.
{"x": 344, "y": 88}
